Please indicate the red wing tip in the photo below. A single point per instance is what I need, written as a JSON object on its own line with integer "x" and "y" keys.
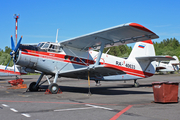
{"x": 148, "y": 41}
{"x": 168, "y": 56}
{"x": 140, "y": 27}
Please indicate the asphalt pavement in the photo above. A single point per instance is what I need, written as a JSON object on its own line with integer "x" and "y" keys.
{"x": 117, "y": 100}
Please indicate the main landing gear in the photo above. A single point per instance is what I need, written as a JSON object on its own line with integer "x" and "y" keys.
{"x": 53, "y": 87}
{"x": 136, "y": 84}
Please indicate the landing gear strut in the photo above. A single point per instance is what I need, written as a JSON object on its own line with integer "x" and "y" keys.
{"x": 98, "y": 83}
{"x": 53, "y": 87}
{"x": 136, "y": 84}
{"x": 34, "y": 86}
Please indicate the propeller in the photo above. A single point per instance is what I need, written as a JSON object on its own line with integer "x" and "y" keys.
{"x": 14, "y": 50}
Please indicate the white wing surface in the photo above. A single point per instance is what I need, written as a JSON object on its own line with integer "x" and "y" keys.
{"x": 115, "y": 36}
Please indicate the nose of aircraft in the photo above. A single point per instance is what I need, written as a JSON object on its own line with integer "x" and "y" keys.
{"x": 14, "y": 50}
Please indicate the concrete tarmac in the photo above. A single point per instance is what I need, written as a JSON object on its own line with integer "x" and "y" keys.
{"x": 110, "y": 101}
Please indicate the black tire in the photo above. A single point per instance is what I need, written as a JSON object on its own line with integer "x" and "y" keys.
{"x": 32, "y": 87}
{"x": 54, "y": 88}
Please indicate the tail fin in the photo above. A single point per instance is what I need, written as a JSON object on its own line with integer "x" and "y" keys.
{"x": 175, "y": 63}
{"x": 142, "y": 49}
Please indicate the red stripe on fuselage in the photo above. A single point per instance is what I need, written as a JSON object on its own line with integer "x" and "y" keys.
{"x": 58, "y": 57}
{"x": 61, "y": 57}
{"x": 130, "y": 71}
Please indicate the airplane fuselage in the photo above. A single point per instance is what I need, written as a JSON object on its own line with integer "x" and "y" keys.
{"x": 68, "y": 59}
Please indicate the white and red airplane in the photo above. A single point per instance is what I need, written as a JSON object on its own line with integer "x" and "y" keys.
{"x": 76, "y": 58}
{"x": 168, "y": 66}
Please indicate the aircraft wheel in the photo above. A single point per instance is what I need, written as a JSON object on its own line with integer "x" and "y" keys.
{"x": 53, "y": 88}
{"x": 32, "y": 87}
{"x": 136, "y": 84}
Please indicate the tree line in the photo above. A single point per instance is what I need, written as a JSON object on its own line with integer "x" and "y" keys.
{"x": 5, "y": 56}
{"x": 168, "y": 46}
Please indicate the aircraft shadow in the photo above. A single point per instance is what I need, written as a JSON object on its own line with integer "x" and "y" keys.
{"x": 112, "y": 90}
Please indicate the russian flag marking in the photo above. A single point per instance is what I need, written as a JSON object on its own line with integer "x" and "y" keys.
{"x": 141, "y": 46}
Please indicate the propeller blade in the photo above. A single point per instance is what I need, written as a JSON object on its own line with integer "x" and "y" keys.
{"x": 8, "y": 63}
{"x": 18, "y": 44}
{"x": 12, "y": 43}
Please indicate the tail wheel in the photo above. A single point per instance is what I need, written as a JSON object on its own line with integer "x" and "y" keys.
{"x": 54, "y": 88}
{"x": 136, "y": 84}
{"x": 33, "y": 87}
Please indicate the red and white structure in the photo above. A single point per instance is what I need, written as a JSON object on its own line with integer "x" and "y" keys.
{"x": 16, "y": 23}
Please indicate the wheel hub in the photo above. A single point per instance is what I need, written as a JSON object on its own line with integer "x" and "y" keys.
{"x": 54, "y": 88}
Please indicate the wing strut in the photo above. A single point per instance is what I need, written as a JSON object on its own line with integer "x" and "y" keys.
{"x": 99, "y": 54}
{"x": 89, "y": 93}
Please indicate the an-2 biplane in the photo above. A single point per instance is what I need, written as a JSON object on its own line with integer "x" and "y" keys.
{"x": 76, "y": 58}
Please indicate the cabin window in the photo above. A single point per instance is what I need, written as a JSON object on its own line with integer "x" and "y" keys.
{"x": 66, "y": 57}
{"x": 77, "y": 59}
{"x": 71, "y": 58}
{"x": 55, "y": 48}
{"x": 84, "y": 61}
{"x": 40, "y": 44}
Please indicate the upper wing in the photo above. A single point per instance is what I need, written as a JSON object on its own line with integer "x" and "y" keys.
{"x": 155, "y": 58}
{"x": 118, "y": 35}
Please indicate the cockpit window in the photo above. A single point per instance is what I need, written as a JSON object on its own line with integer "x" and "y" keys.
{"x": 40, "y": 44}
{"x": 45, "y": 46}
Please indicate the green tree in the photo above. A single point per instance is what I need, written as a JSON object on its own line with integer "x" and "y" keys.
{"x": 5, "y": 56}
{"x": 7, "y": 49}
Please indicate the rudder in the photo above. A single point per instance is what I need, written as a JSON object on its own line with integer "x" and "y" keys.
{"x": 142, "y": 49}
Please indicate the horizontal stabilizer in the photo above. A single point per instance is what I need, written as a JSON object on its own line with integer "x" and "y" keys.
{"x": 175, "y": 63}
{"x": 155, "y": 58}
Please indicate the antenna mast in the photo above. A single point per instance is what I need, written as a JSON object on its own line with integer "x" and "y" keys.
{"x": 57, "y": 35}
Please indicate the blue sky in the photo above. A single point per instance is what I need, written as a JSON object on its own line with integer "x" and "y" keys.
{"x": 40, "y": 19}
